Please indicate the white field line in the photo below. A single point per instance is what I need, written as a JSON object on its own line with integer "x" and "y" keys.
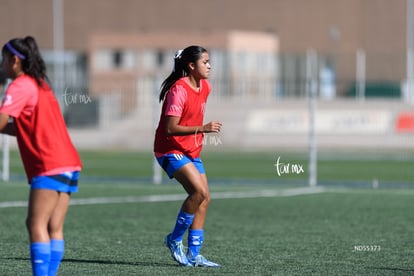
{"x": 179, "y": 197}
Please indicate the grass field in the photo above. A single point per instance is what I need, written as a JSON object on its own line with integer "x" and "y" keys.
{"x": 258, "y": 223}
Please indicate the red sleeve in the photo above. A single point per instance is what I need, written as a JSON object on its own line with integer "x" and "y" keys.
{"x": 20, "y": 96}
{"x": 176, "y": 99}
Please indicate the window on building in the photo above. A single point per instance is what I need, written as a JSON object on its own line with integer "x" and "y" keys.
{"x": 114, "y": 59}
{"x": 117, "y": 56}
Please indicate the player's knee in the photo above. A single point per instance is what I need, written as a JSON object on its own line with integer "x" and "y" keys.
{"x": 202, "y": 196}
{"x": 34, "y": 229}
{"x": 54, "y": 228}
{"x": 206, "y": 198}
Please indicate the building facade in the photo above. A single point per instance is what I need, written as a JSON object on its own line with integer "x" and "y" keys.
{"x": 335, "y": 29}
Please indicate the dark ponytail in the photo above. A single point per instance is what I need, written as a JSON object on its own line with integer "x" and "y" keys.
{"x": 181, "y": 69}
{"x": 32, "y": 62}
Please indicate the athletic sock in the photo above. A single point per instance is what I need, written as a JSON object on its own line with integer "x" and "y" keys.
{"x": 195, "y": 241}
{"x": 40, "y": 258}
{"x": 183, "y": 222}
{"x": 57, "y": 248}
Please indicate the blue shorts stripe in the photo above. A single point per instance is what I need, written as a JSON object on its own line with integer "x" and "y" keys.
{"x": 173, "y": 162}
{"x": 66, "y": 182}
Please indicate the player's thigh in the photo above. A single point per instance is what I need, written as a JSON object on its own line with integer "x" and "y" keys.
{"x": 191, "y": 179}
{"x": 204, "y": 179}
{"x": 42, "y": 203}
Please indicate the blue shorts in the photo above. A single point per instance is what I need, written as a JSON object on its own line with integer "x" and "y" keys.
{"x": 174, "y": 161}
{"x": 66, "y": 182}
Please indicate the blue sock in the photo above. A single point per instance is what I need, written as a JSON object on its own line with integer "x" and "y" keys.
{"x": 57, "y": 248}
{"x": 40, "y": 258}
{"x": 195, "y": 241}
{"x": 183, "y": 222}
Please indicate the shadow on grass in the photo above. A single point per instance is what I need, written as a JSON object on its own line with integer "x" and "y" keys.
{"x": 110, "y": 262}
{"x": 104, "y": 262}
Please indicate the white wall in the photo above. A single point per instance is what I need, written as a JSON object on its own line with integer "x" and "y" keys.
{"x": 340, "y": 124}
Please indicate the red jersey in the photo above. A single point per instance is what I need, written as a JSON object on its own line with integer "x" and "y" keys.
{"x": 188, "y": 104}
{"x": 43, "y": 140}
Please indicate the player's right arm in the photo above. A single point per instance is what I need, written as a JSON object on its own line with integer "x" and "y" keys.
{"x": 20, "y": 96}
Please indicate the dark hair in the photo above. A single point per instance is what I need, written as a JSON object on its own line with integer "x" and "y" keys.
{"x": 181, "y": 61}
{"x": 3, "y": 77}
{"x": 32, "y": 63}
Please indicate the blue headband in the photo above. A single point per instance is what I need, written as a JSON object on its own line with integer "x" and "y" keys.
{"x": 14, "y": 51}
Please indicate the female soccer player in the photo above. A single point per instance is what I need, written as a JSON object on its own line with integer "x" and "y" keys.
{"x": 51, "y": 162}
{"x": 177, "y": 147}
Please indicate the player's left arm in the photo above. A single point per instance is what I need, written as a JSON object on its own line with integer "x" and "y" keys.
{"x": 6, "y": 127}
{"x": 173, "y": 127}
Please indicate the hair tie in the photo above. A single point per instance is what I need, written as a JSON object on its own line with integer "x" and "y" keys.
{"x": 14, "y": 51}
{"x": 177, "y": 55}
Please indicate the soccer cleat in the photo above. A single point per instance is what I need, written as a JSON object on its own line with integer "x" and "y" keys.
{"x": 177, "y": 250}
{"x": 200, "y": 260}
